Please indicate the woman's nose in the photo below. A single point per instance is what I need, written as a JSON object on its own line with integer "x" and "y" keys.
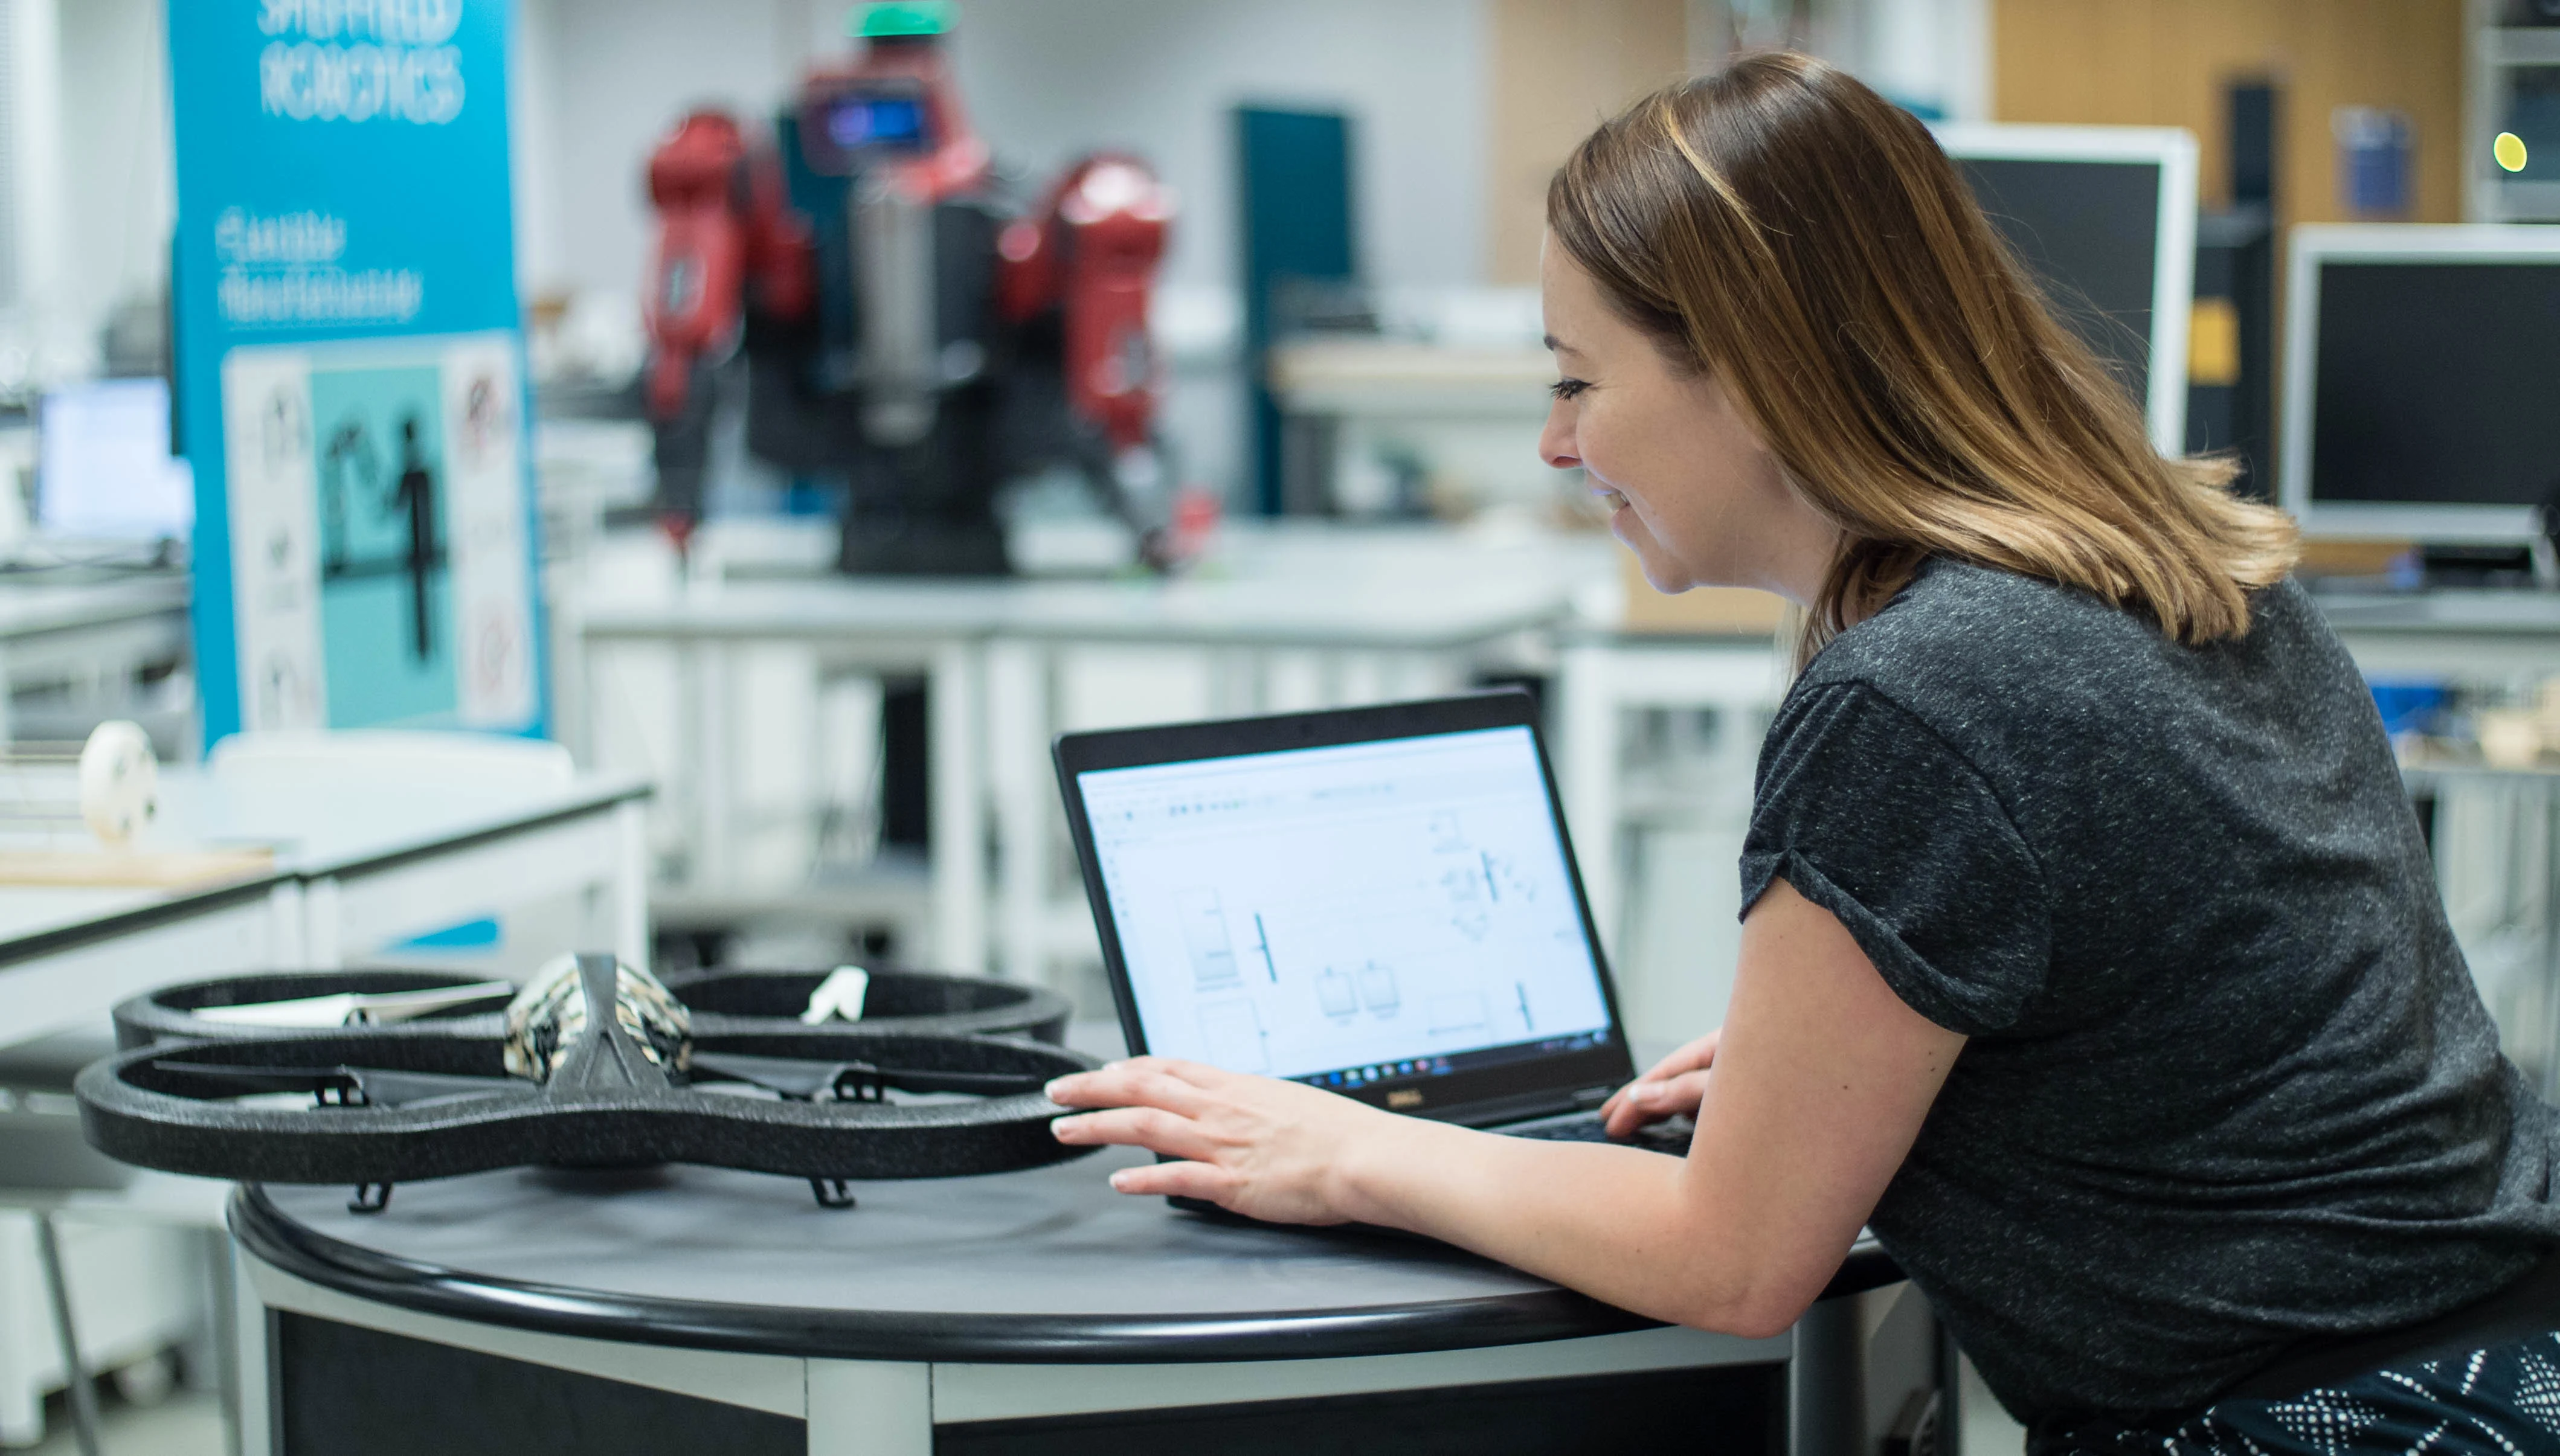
{"x": 1556, "y": 442}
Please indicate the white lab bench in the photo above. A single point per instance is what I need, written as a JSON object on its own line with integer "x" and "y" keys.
{"x": 2467, "y": 635}
{"x": 94, "y": 637}
{"x": 355, "y": 868}
{"x": 1289, "y": 617}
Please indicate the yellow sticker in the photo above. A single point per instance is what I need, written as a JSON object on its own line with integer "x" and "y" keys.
{"x": 2509, "y": 151}
{"x": 2213, "y": 343}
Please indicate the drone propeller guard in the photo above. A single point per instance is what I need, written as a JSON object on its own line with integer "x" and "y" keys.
{"x": 401, "y": 1104}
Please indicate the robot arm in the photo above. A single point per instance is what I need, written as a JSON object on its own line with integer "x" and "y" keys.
{"x": 1090, "y": 253}
{"x": 723, "y": 223}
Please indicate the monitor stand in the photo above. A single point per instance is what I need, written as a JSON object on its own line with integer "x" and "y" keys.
{"x": 2491, "y": 567}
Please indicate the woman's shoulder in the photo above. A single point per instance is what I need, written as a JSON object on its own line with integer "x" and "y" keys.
{"x": 1956, "y": 623}
{"x": 1981, "y": 655}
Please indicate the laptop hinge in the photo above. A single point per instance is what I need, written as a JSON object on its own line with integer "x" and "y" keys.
{"x": 1530, "y": 1105}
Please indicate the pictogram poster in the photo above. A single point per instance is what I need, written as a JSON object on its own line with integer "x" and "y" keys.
{"x": 351, "y": 385}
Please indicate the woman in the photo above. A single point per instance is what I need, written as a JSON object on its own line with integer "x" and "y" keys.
{"x": 2090, "y": 954}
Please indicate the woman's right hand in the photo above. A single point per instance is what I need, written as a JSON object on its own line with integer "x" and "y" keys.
{"x": 1671, "y": 1087}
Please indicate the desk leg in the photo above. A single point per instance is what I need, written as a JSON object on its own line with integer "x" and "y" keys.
{"x": 631, "y": 882}
{"x": 705, "y": 679}
{"x": 221, "y": 1319}
{"x": 1826, "y": 1402}
{"x": 76, "y": 1383}
{"x": 287, "y": 928}
{"x": 2546, "y": 804}
{"x": 1016, "y": 778}
{"x": 1587, "y": 720}
{"x": 959, "y": 828}
{"x": 1278, "y": 680}
{"x": 862, "y": 1408}
{"x": 253, "y": 1358}
{"x": 324, "y": 946}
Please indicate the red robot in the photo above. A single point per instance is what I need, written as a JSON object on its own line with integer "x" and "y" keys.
{"x": 890, "y": 325}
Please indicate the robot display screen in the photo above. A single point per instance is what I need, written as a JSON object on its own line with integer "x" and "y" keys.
{"x": 890, "y": 124}
{"x": 1346, "y": 913}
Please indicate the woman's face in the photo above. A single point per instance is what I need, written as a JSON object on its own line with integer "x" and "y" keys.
{"x": 1689, "y": 486}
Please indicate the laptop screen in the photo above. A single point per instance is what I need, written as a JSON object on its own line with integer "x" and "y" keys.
{"x": 1341, "y": 916}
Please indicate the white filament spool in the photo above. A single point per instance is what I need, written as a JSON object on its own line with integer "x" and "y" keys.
{"x": 119, "y": 782}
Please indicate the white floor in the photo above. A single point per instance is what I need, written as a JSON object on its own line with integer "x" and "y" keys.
{"x": 188, "y": 1424}
{"x": 1987, "y": 1429}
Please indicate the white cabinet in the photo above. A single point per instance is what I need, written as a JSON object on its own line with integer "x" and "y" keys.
{"x": 136, "y": 1289}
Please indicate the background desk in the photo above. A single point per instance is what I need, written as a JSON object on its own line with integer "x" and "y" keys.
{"x": 2470, "y": 636}
{"x": 92, "y": 639}
{"x": 372, "y": 864}
{"x": 1023, "y": 1312}
{"x": 353, "y": 871}
{"x": 1286, "y": 618}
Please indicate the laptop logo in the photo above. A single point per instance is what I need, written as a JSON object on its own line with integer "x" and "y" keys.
{"x": 1405, "y": 1097}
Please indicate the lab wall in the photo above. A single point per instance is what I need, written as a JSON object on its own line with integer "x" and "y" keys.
{"x": 88, "y": 190}
{"x": 1044, "y": 82}
{"x": 2167, "y": 62}
{"x": 599, "y": 81}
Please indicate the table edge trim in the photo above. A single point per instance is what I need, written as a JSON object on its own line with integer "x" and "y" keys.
{"x": 265, "y": 1232}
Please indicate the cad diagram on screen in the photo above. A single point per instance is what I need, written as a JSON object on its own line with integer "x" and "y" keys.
{"x": 1301, "y": 911}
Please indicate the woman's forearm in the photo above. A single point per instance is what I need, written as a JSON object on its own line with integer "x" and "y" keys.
{"x": 1618, "y": 1224}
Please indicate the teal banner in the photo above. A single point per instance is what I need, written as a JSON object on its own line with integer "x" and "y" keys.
{"x": 350, "y": 372}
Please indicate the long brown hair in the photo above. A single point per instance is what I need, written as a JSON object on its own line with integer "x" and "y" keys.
{"x": 1784, "y": 226}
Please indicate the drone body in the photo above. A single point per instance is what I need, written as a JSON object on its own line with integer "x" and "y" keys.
{"x": 597, "y": 1065}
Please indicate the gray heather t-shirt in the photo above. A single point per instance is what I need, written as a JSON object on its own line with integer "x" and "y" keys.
{"x": 2229, "y": 1083}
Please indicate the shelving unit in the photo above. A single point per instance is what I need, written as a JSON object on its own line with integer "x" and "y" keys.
{"x": 2497, "y": 58}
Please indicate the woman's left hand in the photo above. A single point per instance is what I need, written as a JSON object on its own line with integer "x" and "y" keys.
{"x": 1258, "y": 1146}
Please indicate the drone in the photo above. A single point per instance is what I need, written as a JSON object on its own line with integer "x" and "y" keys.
{"x": 594, "y": 1064}
{"x": 723, "y": 1000}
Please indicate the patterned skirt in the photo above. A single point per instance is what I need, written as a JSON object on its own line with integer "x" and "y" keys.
{"x": 2503, "y": 1400}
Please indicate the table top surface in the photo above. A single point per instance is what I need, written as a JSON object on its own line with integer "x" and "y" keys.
{"x": 32, "y": 915}
{"x": 323, "y": 825}
{"x": 1379, "y": 587}
{"x": 2482, "y": 610}
{"x": 1046, "y": 1265}
{"x": 335, "y": 823}
{"x": 34, "y": 604}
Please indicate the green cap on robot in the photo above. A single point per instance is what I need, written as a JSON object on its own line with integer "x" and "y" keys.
{"x": 900, "y": 18}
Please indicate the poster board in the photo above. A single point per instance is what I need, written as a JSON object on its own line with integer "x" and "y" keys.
{"x": 350, "y": 367}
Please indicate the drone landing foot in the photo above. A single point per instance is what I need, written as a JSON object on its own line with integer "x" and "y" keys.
{"x": 832, "y": 1193}
{"x": 369, "y": 1197}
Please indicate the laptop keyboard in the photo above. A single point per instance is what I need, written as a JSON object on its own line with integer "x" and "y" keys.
{"x": 1587, "y": 1127}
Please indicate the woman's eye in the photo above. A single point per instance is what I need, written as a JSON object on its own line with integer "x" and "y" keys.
{"x": 1567, "y": 388}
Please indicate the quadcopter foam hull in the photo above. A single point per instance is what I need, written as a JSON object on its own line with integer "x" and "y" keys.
{"x": 908, "y": 1001}
{"x": 135, "y": 1107}
{"x": 169, "y": 1014}
{"x": 724, "y": 1001}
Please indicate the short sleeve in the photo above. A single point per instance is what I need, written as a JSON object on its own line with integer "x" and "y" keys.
{"x": 1872, "y": 815}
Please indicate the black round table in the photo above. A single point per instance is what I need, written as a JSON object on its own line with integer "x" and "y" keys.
{"x": 699, "y": 1309}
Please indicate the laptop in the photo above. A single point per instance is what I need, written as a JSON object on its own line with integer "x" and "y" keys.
{"x": 1379, "y": 901}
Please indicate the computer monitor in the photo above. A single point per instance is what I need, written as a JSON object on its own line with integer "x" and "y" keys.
{"x": 2422, "y": 382}
{"x": 103, "y": 465}
{"x": 2105, "y": 217}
